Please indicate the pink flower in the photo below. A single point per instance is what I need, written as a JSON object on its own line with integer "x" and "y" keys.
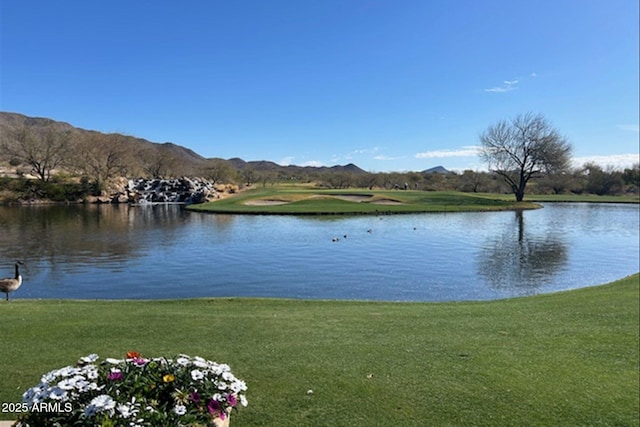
{"x": 232, "y": 400}
{"x": 194, "y": 397}
{"x": 115, "y": 376}
{"x": 139, "y": 361}
{"x": 214, "y": 407}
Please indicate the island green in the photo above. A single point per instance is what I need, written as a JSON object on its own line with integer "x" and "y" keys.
{"x": 300, "y": 200}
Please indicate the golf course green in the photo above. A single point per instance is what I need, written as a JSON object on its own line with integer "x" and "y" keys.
{"x": 301, "y": 200}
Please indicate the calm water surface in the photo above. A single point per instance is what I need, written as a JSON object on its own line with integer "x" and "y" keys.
{"x": 167, "y": 252}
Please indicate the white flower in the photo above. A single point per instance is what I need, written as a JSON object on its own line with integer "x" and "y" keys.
{"x": 67, "y": 371}
{"x": 90, "y": 358}
{"x": 126, "y": 410}
{"x": 102, "y": 403}
{"x": 114, "y": 361}
{"x": 35, "y": 394}
{"x": 91, "y": 372}
{"x": 180, "y": 409}
{"x": 238, "y": 385}
{"x": 56, "y": 393}
{"x": 68, "y": 384}
{"x": 182, "y": 361}
{"x": 243, "y": 400}
{"x": 197, "y": 375}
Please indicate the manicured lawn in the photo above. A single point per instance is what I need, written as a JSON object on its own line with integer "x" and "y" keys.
{"x": 570, "y": 198}
{"x": 569, "y": 358}
{"x": 299, "y": 200}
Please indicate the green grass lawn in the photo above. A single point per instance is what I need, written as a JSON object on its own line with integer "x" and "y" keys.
{"x": 569, "y": 198}
{"x": 562, "y": 359}
{"x": 300, "y": 200}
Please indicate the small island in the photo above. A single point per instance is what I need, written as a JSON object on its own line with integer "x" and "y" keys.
{"x": 308, "y": 200}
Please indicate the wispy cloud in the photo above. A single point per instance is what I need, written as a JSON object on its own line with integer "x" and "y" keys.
{"x": 466, "y": 151}
{"x": 286, "y": 161}
{"x": 509, "y": 85}
{"x": 615, "y": 161}
{"x": 630, "y": 128}
{"x": 501, "y": 89}
{"x": 351, "y": 154}
{"x": 313, "y": 163}
{"x": 383, "y": 157}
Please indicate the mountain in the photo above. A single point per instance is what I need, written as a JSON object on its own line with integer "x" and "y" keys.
{"x": 11, "y": 123}
{"x": 437, "y": 169}
{"x": 267, "y": 166}
{"x": 187, "y": 161}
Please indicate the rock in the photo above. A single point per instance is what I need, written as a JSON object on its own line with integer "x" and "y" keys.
{"x": 181, "y": 190}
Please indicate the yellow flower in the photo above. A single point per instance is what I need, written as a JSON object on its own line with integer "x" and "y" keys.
{"x": 168, "y": 378}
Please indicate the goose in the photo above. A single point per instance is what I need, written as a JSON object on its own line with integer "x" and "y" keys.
{"x": 11, "y": 284}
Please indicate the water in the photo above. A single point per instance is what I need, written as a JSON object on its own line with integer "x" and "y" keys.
{"x": 118, "y": 252}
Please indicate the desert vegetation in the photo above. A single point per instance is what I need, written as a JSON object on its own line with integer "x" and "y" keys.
{"x": 41, "y": 159}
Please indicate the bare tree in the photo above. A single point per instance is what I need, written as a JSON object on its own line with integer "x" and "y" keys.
{"x": 100, "y": 157}
{"x": 43, "y": 149}
{"x": 218, "y": 171}
{"x": 157, "y": 162}
{"x": 523, "y": 148}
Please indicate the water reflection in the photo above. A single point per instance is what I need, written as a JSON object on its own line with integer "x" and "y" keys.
{"x": 139, "y": 252}
{"x": 521, "y": 258}
{"x": 64, "y": 239}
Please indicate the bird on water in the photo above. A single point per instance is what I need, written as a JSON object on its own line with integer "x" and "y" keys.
{"x": 11, "y": 284}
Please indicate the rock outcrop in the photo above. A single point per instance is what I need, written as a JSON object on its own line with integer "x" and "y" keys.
{"x": 148, "y": 191}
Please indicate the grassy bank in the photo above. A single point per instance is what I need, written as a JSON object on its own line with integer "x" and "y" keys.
{"x": 570, "y": 198}
{"x": 569, "y": 358}
{"x": 299, "y": 200}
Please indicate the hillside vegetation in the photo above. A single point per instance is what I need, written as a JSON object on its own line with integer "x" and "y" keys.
{"x": 68, "y": 162}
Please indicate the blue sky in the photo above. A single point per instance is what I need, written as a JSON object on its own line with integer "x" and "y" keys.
{"x": 390, "y": 85}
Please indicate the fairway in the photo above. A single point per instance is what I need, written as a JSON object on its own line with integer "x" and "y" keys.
{"x": 302, "y": 200}
{"x": 569, "y": 358}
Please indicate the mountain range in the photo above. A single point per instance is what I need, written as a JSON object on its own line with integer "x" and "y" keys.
{"x": 10, "y": 123}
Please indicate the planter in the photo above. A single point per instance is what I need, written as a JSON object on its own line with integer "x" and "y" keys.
{"x": 217, "y": 422}
{"x": 183, "y": 390}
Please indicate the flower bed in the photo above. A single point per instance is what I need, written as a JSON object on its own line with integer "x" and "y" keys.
{"x": 135, "y": 391}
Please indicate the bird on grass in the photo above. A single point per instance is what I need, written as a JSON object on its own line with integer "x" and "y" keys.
{"x": 11, "y": 284}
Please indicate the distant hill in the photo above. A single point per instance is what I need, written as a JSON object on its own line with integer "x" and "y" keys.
{"x": 264, "y": 165}
{"x": 188, "y": 160}
{"x": 437, "y": 169}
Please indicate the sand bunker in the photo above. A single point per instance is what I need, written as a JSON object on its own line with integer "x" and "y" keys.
{"x": 354, "y": 198}
{"x": 265, "y": 202}
{"x": 387, "y": 202}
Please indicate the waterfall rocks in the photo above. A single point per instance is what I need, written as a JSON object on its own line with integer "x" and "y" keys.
{"x": 159, "y": 190}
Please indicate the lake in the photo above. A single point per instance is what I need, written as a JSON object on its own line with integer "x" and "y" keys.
{"x": 164, "y": 251}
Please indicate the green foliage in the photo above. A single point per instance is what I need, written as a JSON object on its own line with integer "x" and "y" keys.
{"x": 56, "y": 190}
{"x": 569, "y": 358}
